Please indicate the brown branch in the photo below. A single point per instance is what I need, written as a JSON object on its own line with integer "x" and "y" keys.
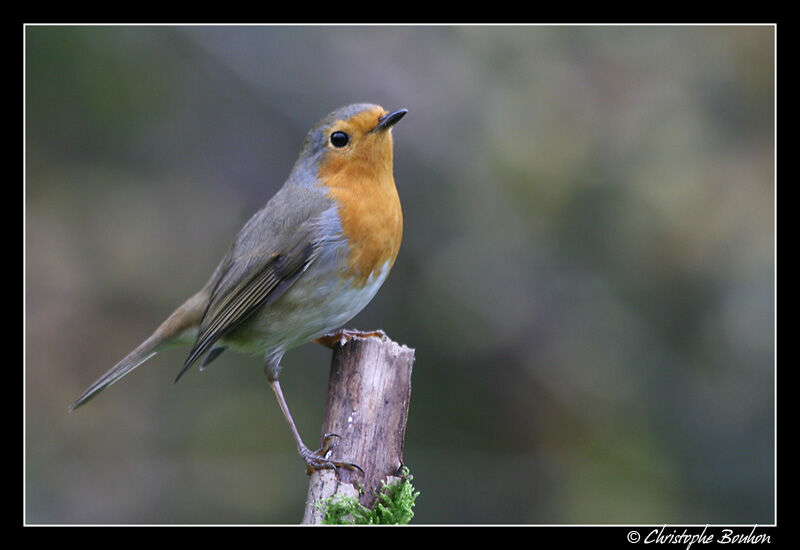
{"x": 368, "y": 397}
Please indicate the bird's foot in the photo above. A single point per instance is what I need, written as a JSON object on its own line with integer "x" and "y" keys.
{"x": 343, "y": 335}
{"x": 318, "y": 460}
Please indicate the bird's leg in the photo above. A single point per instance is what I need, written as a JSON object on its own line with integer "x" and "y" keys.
{"x": 315, "y": 460}
{"x": 343, "y": 335}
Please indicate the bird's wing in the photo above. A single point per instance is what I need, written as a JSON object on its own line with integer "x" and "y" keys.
{"x": 244, "y": 287}
{"x": 260, "y": 266}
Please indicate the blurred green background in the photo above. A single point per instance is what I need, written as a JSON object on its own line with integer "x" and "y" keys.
{"x": 587, "y": 273}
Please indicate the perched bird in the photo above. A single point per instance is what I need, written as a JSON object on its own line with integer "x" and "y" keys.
{"x": 302, "y": 266}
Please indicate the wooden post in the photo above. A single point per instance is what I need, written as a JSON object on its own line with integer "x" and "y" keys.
{"x": 368, "y": 397}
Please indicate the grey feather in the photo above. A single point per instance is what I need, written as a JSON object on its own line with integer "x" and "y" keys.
{"x": 268, "y": 255}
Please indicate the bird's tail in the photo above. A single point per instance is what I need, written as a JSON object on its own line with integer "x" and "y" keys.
{"x": 184, "y": 318}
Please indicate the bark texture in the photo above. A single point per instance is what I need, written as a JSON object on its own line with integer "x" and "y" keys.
{"x": 369, "y": 390}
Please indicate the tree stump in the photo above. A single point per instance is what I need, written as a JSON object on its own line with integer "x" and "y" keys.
{"x": 369, "y": 390}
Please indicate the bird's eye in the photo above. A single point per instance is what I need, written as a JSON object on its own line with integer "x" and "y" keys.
{"x": 339, "y": 139}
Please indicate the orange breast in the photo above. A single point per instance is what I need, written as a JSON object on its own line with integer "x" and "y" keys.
{"x": 369, "y": 208}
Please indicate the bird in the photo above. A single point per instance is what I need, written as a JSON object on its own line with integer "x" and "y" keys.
{"x": 301, "y": 267}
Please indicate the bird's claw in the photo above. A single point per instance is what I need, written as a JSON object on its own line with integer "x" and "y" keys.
{"x": 318, "y": 460}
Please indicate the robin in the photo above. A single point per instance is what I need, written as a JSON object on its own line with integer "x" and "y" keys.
{"x": 302, "y": 266}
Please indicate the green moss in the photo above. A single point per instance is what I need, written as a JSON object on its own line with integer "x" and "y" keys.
{"x": 395, "y": 506}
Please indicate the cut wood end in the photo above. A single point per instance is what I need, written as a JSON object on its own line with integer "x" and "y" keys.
{"x": 373, "y": 335}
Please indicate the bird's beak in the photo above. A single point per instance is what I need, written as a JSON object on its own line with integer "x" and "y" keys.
{"x": 390, "y": 119}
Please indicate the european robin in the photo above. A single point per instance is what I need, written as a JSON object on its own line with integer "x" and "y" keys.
{"x": 302, "y": 266}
